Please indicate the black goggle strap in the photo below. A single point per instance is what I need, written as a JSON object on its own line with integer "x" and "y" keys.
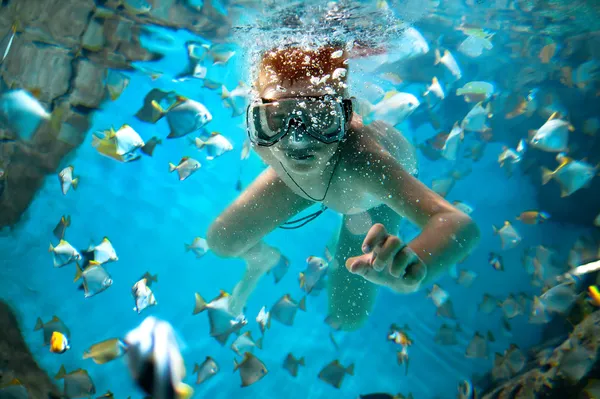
{"x": 293, "y": 224}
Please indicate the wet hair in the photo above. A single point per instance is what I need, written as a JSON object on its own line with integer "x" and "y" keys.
{"x": 293, "y": 64}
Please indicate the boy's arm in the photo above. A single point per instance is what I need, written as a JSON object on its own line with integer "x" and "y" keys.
{"x": 258, "y": 210}
{"x": 447, "y": 235}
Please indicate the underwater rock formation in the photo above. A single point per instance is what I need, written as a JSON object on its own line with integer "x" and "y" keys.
{"x": 16, "y": 361}
{"x": 62, "y": 52}
{"x": 557, "y": 371}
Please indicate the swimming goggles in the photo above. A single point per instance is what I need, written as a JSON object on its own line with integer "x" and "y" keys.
{"x": 324, "y": 118}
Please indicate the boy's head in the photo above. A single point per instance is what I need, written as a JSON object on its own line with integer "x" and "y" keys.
{"x": 304, "y": 82}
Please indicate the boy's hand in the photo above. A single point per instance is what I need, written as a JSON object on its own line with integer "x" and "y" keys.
{"x": 388, "y": 261}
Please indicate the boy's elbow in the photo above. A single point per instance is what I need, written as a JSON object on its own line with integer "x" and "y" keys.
{"x": 470, "y": 231}
{"x": 220, "y": 242}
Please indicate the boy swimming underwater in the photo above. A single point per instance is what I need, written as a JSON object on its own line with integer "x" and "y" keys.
{"x": 318, "y": 150}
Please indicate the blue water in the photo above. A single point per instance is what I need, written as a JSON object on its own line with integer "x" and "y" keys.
{"x": 148, "y": 215}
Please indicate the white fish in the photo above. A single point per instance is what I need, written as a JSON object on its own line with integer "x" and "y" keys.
{"x": 199, "y": 246}
{"x": 66, "y": 179}
{"x": 184, "y": 118}
{"x": 236, "y": 99}
{"x": 451, "y": 146}
{"x": 263, "y": 319}
{"x": 208, "y": 369}
{"x": 538, "y": 314}
{"x": 216, "y": 145}
{"x": 316, "y": 269}
{"x": 185, "y": 168}
{"x": 473, "y": 46}
{"x": 553, "y": 136}
{"x": 95, "y": 279}
{"x": 155, "y": 361}
{"x": 438, "y": 295}
{"x": 142, "y": 294}
{"x": 509, "y": 236}
{"x": 394, "y": 108}
{"x": 22, "y": 113}
{"x": 105, "y": 252}
{"x": 64, "y": 253}
{"x": 476, "y": 118}
{"x": 560, "y": 298}
{"x": 126, "y": 139}
{"x": 571, "y": 175}
{"x": 449, "y": 62}
{"x": 222, "y": 322}
{"x": 410, "y": 44}
{"x": 245, "y": 343}
{"x": 436, "y": 89}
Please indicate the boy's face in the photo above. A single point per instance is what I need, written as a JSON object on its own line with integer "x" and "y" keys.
{"x": 298, "y": 151}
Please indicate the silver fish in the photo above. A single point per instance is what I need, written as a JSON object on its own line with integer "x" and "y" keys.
{"x": 199, "y": 247}
{"x": 77, "y": 383}
{"x": 105, "y": 252}
{"x": 208, "y": 369}
{"x": 185, "y": 168}
{"x": 284, "y": 310}
{"x": 252, "y": 369}
{"x": 187, "y": 116}
{"x": 95, "y": 279}
{"x": 291, "y": 364}
{"x": 334, "y": 373}
{"x": 446, "y": 335}
{"x": 66, "y": 179}
{"x": 263, "y": 319}
{"x": 142, "y": 294}
{"x": 64, "y": 253}
{"x": 477, "y": 348}
{"x": 61, "y": 228}
{"x": 316, "y": 269}
{"x": 245, "y": 343}
{"x": 280, "y": 269}
{"x": 222, "y": 322}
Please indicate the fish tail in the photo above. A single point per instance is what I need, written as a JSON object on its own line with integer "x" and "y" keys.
{"x": 75, "y": 183}
{"x": 39, "y": 324}
{"x": 78, "y": 272}
{"x": 495, "y": 229}
{"x": 61, "y": 373}
{"x": 184, "y": 391}
{"x": 350, "y": 369}
{"x": 172, "y": 167}
{"x": 302, "y": 304}
{"x": 301, "y": 361}
{"x": 68, "y": 221}
{"x": 196, "y": 368}
{"x": 225, "y": 93}
{"x": 438, "y": 57}
{"x": 200, "y": 304}
{"x": 199, "y": 143}
{"x": 235, "y": 365}
{"x": 51, "y": 249}
{"x": 301, "y": 279}
{"x": 259, "y": 343}
{"x": 546, "y": 175}
{"x": 187, "y": 247}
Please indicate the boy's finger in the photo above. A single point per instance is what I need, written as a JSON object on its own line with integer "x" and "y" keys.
{"x": 375, "y": 236}
{"x": 403, "y": 258}
{"x": 355, "y": 263}
{"x": 386, "y": 253}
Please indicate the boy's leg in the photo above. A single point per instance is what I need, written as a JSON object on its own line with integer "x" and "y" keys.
{"x": 351, "y": 297}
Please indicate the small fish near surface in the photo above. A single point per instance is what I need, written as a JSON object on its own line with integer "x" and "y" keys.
{"x": 67, "y": 180}
{"x": 106, "y": 351}
{"x": 199, "y": 247}
{"x": 284, "y": 310}
{"x": 77, "y": 383}
{"x": 49, "y": 328}
{"x": 316, "y": 269}
{"x": 571, "y": 175}
{"x": 292, "y": 365}
{"x": 208, "y": 369}
{"x": 252, "y": 369}
{"x": 222, "y": 322}
{"x": 155, "y": 362}
{"x": 64, "y": 253}
{"x": 509, "y": 236}
{"x": 187, "y": 116}
{"x": 95, "y": 279}
{"x": 186, "y": 167}
{"x": 334, "y": 373}
{"x": 142, "y": 294}
{"x": 150, "y": 145}
{"x": 61, "y": 228}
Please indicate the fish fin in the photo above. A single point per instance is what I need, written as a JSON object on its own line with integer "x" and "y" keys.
{"x": 172, "y": 167}
{"x": 546, "y": 175}
{"x": 56, "y": 118}
{"x": 438, "y": 58}
{"x": 571, "y": 128}
{"x": 495, "y": 230}
{"x": 78, "y": 272}
{"x": 224, "y": 93}
{"x": 200, "y": 304}
{"x": 236, "y": 365}
{"x": 158, "y": 107}
{"x": 75, "y": 183}
{"x": 302, "y": 304}
{"x": 301, "y": 361}
{"x": 259, "y": 343}
{"x": 350, "y": 369}
{"x": 39, "y": 324}
{"x": 555, "y": 115}
{"x": 196, "y": 368}
{"x": 184, "y": 391}
{"x": 301, "y": 279}
{"x": 187, "y": 247}
{"x": 61, "y": 373}
{"x": 51, "y": 249}
{"x": 199, "y": 143}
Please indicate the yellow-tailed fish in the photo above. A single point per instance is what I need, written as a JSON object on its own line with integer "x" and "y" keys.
{"x": 61, "y": 228}
{"x": 116, "y": 82}
{"x": 451, "y": 146}
{"x": 104, "y": 252}
{"x": 251, "y": 368}
{"x": 215, "y": 146}
{"x": 67, "y": 180}
{"x": 488, "y": 304}
{"x": 511, "y": 307}
{"x": 186, "y": 117}
{"x": 449, "y": 62}
{"x": 571, "y": 175}
{"x": 509, "y": 236}
{"x": 438, "y": 295}
{"x": 263, "y": 319}
{"x": 95, "y": 279}
{"x": 77, "y": 383}
{"x": 436, "y": 89}
{"x": 476, "y": 118}
{"x": 150, "y": 145}
{"x": 64, "y": 254}
{"x": 466, "y": 278}
{"x": 280, "y": 269}
{"x": 222, "y": 321}
{"x": 446, "y": 335}
{"x": 533, "y": 217}
{"x": 553, "y": 136}
{"x": 394, "y": 108}
{"x": 199, "y": 247}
